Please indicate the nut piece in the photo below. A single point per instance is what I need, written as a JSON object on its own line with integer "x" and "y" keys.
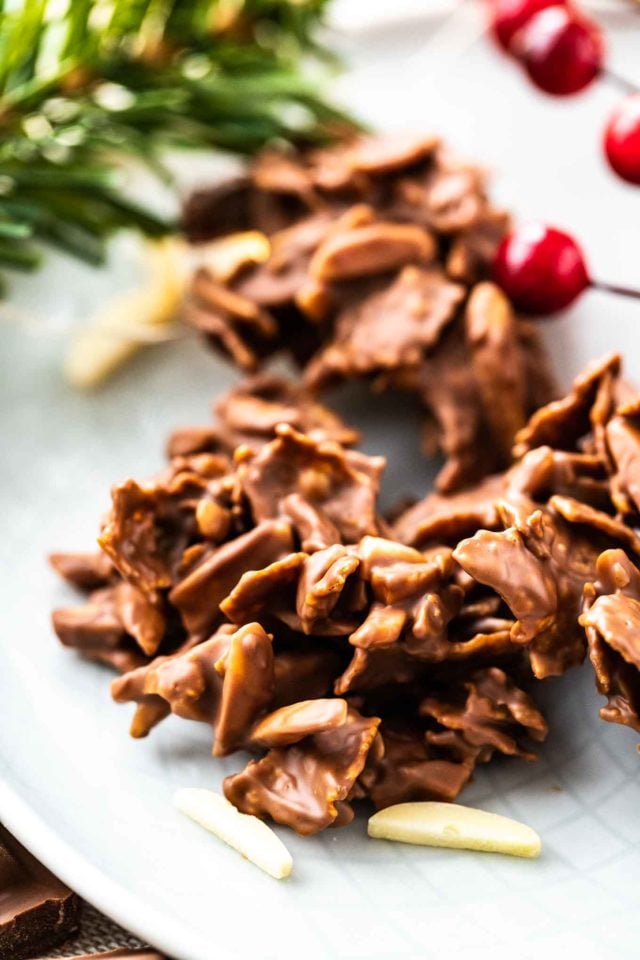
{"x": 373, "y": 248}
{"x": 224, "y": 258}
{"x": 452, "y": 825}
{"x": 213, "y": 520}
{"x": 129, "y": 321}
{"x": 246, "y": 834}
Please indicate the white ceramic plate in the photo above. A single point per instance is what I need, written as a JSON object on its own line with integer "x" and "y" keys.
{"x": 96, "y": 806}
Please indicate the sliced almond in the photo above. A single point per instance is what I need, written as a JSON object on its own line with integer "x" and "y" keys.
{"x": 370, "y": 249}
{"x": 434, "y": 824}
{"x": 291, "y": 723}
{"x": 223, "y": 258}
{"x": 130, "y": 320}
{"x": 248, "y": 835}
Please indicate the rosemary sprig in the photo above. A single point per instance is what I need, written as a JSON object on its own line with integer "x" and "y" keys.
{"x": 88, "y": 83}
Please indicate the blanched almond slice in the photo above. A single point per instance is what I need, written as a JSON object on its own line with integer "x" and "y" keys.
{"x": 223, "y": 258}
{"x": 246, "y": 834}
{"x": 452, "y": 825}
{"x": 123, "y": 325}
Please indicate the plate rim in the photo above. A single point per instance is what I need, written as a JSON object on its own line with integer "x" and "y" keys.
{"x": 124, "y": 906}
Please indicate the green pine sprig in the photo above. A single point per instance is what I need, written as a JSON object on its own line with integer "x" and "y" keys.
{"x": 85, "y": 84}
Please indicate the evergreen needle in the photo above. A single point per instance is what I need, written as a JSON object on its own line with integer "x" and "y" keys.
{"x": 88, "y": 84}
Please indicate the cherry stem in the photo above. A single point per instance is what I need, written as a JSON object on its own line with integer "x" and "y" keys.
{"x": 620, "y": 291}
{"x": 626, "y": 86}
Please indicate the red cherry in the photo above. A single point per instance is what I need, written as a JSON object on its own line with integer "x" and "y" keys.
{"x": 541, "y": 269}
{"x": 622, "y": 139}
{"x": 561, "y": 51}
{"x": 506, "y": 17}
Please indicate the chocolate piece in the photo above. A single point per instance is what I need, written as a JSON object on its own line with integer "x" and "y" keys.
{"x": 251, "y": 411}
{"x": 391, "y": 328}
{"x": 304, "y": 672}
{"x": 563, "y": 423}
{"x": 446, "y": 519}
{"x": 227, "y": 681}
{"x": 543, "y": 472}
{"x": 379, "y": 154}
{"x": 247, "y": 687}
{"x": 186, "y": 441}
{"x": 306, "y": 785}
{"x": 110, "y": 627}
{"x": 231, "y": 321}
{"x": 87, "y": 571}
{"x": 612, "y": 621}
{"x": 376, "y": 668}
{"x": 491, "y": 714}
{"x": 539, "y": 566}
{"x": 409, "y": 769}
{"x": 188, "y": 681}
{"x": 37, "y": 911}
{"x": 586, "y": 515}
{"x": 623, "y": 445}
{"x": 275, "y": 283}
{"x": 346, "y": 168}
{"x": 473, "y": 251}
{"x": 497, "y": 363}
{"x": 343, "y": 484}
{"x": 156, "y": 687}
{"x": 198, "y": 596}
{"x": 147, "y": 532}
{"x": 217, "y": 210}
{"x": 470, "y": 388}
{"x": 278, "y": 172}
{"x": 256, "y": 590}
{"x": 315, "y": 530}
{"x": 414, "y": 600}
{"x": 320, "y": 587}
{"x": 448, "y": 199}
{"x": 449, "y": 391}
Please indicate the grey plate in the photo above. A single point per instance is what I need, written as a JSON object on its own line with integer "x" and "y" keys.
{"x": 96, "y": 806}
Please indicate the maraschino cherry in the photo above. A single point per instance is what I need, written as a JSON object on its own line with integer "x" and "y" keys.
{"x": 561, "y": 50}
{"x": 506, "y": 17}
{"x": 622, "y": 139}
{"x": 543, "y": 270}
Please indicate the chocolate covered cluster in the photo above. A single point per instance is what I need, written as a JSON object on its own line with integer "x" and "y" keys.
{"x": 370, "y": 259}
{"x": 254, "y": 586}
{"x": 556, "y": 536}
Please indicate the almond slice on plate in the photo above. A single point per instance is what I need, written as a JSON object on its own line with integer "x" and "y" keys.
{"x": 245, "y": 833}
{"x": 131, "y": 319}
{"x": 452, "y": 825}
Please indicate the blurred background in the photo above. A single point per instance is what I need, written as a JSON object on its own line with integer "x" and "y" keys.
{"x": 414, "y": 64}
